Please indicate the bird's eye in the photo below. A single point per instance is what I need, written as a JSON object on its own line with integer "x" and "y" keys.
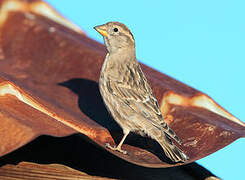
{"x": 115, "y": 29}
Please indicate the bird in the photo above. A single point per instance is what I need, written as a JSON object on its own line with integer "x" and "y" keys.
{"x": 127, "y": 94}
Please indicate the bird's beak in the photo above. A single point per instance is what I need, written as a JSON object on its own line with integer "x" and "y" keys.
{"x": 102, "y": 30}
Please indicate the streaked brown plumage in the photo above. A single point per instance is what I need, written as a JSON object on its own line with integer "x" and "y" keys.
{"x": 127, "y": 94}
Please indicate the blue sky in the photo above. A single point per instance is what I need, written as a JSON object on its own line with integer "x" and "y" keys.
{"x": 201, "y": 43}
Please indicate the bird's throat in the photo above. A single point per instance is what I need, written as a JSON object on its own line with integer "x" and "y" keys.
{"x": 117, "y": 59}
{"x": 122, "y": 56}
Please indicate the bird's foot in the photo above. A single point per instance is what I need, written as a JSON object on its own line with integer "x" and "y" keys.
{"x": 115, "y": 148}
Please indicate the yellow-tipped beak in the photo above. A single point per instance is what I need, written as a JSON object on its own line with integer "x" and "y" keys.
{"x": 102, "y": 30}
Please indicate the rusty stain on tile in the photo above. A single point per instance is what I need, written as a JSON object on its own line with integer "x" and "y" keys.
{"x": 38, "y": 7}
{"x": 200, "y": 100}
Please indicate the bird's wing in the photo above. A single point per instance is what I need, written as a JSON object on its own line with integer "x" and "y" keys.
{"x": 133, "y": 90}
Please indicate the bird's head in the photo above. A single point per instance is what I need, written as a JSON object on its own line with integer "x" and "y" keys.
{"x": 116, "y": 36}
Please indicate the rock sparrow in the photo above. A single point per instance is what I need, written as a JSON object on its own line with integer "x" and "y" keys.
{"x": 127, "y": 94}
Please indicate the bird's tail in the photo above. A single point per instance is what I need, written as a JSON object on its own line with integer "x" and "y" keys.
{"x": 171, "y": 150}
{"x": 170, "y": 132}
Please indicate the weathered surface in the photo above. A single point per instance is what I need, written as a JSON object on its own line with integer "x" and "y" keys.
{"x": 48, "y": 85}
{"x": 30, "y": 171}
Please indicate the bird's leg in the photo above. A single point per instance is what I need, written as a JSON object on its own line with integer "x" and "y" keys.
{"x": 118, "y": 147}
